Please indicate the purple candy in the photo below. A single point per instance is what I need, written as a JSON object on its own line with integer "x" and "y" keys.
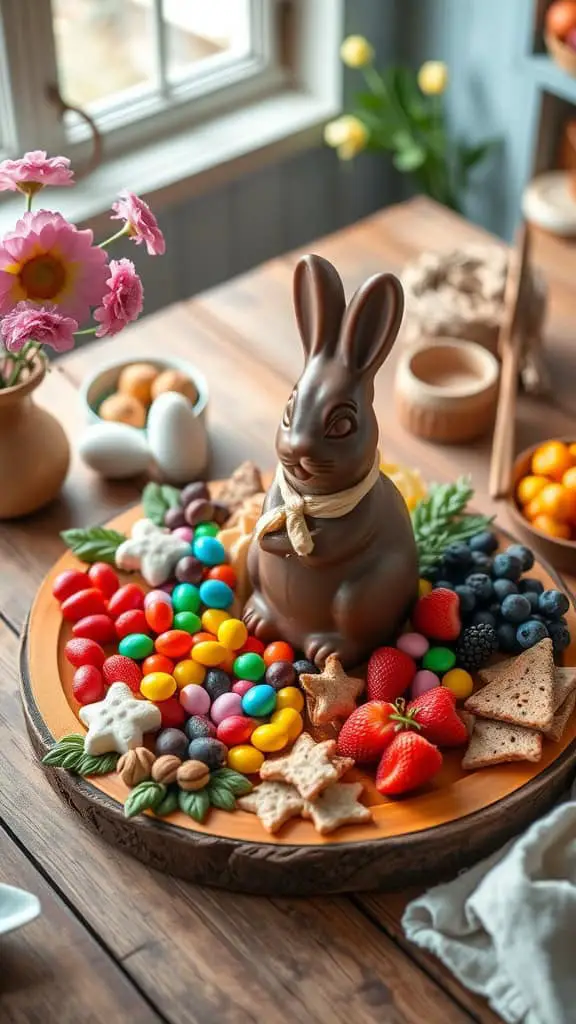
{"x": 225, "y": 706}
{"x": 413, "y": 644}
{"x": 194, "y": 699}
{"x": 156, "y": 595}
{"x": 184, "y": 533}
{"x": 423, "y": 681}
{"x": 167, "y": 588}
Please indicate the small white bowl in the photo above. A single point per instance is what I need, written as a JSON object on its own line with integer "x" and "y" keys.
{"x": 103, "y": 382}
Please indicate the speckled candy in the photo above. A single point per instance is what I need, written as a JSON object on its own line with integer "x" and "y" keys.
{"x": 413, "y": 644}
{"x": 423, "y": 681}
{"x": 188, "y": 621}
{"x": 289, "y": 697}
{"x": 245, "y": 759}
{"x": 209, "y": 550}
{"x": 439, "y": 659}
{"x": 225, "y": 706}
{"x": 194, "y": 699}
{"x": 209, "y": 653}
{"x": 200, "y": 727}
{"x": 157, "y": 686}
{"x": 232, "y": 634}
{"x": 280, "y": 674}
{"x": 249, "y": 666}
{"x": 188, "y": 672}
{"x": 259, "y": 701}
{"x": 137, "y": 646}
{"x": 175, "y": 643}
{"x": 242, "y": 686}
{"x": 216, "y": 594}
{"x": 159, "y": 615}
{"x": 235, "y": 729}
{"x": 211, "y": 752}
{"x": 185, "y": 598}
{"x": 213, "y": 618}
{"x": 216, "y": 683}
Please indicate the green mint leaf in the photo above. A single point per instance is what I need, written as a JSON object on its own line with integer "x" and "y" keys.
{"x": 66, "y": 753}
{"x": 96, "y": 544}
{"x": 153, "y": 503}
{"x": 146, "y": 796}
{"x": 73, "y": 739}
{"x": 440, "y": 519}
{"x": 168, "y": 805}
{"x": 237, "y": 783}
{"x": 102, "y": 764}
{"x": 220, "y": 796}
{"x": 171, "y": 496}
{"x": 195, "y": 805}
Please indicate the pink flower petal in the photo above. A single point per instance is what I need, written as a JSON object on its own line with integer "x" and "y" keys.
{"x": 124, "y": 300}
{"x": 35, "y": 169}
{"x": 46, "y": 326}
{"x": 143, "y": 226}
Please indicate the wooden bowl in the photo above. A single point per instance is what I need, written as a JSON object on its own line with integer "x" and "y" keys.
{"x": 562, "y": 55}
{"x": 559, "y": 553}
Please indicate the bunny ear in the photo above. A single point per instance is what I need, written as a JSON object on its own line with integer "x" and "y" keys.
{"x": 371, "y": 323}
{"x": 319, "y": 303}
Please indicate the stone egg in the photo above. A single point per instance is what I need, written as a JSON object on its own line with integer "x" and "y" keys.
{"x": 177, "y": 438}
{"x": 114, "y": 450}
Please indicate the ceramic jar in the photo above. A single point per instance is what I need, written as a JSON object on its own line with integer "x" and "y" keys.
{"x": 34, "y": 450}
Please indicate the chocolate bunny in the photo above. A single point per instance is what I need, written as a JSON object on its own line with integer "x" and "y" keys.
{"x": 333, "y": 561}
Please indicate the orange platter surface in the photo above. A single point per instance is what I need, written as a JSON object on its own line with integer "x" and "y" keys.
{"x": 453, "y": 795}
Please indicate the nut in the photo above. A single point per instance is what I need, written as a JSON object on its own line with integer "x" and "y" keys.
{"x": 165, "y": 768}
{"x": 193, "y": 775}
{"x": 135, "y": 766}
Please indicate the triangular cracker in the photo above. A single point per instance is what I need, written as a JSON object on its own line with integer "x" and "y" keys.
{"x": 522, "y": 694}
{"x": 555, "y": 731}
{"x": 564, "y": 679}
{"x": 496, "y": 742}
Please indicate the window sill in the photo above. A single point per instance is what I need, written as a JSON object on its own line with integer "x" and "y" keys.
{"x": 198, "y": 160}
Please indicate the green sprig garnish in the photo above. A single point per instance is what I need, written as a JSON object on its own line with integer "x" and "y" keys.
{"x": 157, "y": 499}
{"x": 69, "y": 754}
{"x": 96, "y": 544}
{"x": 441, "y": 519}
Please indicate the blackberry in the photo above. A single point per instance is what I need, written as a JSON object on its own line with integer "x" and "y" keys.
{"x": 481, "y": 584}
{"x": 560, "y": 636}
{"x": 481, "y": 562}
{"x": 467, "y": 599}
{"x": 486, "y": 541}
{"x": 525, "y": 555}
{"x": 475, "y": 646}
{"x": 457, "y": 556}
{"x": 507, "y": 567}
{"x": 553, "y": 604}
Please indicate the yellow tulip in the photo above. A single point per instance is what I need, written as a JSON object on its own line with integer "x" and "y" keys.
{"x": 356, "y": 52}
{"x": 347, "y": 134}
{"x": 433, "y": 77}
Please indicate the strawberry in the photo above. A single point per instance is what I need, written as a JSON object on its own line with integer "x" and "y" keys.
{"x": 390, "y": 673}
{"x": 435, "y": 713}
{"x": 437, "y": 615}
{"x": 369, "y": 729}
{"x": 120, "y": 669}
{"x": 409, "y": 762}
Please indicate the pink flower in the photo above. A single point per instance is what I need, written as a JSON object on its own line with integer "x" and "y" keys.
{"x": 48, "y": 261}
{"x": 142, "y": 224}
{"x": 124, "y": 300}
{"x": 33, "y": 171}
{"x": 46, "y": 326}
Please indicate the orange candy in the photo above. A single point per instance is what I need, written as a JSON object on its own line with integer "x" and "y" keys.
{"x": 278, "y": 651}
{"x": 551, "y": 459}
{"x": 529, "y": 487}
{"x": 224, "y": 573}
{"x": 200, "y": 638}
{"x": 175, "y": 643}
{"x": 551, "y": 527}
{"x": 569, "y": 478}
{"x": 558, "y": 502}
{"x": 157, "y": 663}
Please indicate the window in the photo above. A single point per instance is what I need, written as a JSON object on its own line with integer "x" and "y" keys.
{"x": 139, "y": 68}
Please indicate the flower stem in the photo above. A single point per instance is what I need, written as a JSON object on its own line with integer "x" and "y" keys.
{"x": 87, "y": 330}
{"x": 124, "y": 230}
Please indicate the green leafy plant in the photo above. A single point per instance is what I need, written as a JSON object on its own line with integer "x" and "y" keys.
{"x": 96, "y": 544}
{"x": 440, "y": 519}
{"x": 157, "y": 499}
{"x": 69, "y": 753}
{"x": 146, "y": 796}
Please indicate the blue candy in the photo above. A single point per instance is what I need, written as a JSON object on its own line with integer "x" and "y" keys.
{"x": 209, "y": 550}
{"x": 216, "y": 593}
{"x": 259, "y": 701}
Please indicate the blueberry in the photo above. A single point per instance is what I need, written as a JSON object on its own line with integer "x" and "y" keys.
{"x": 538, "y": 618}
{"x": 211, "y": 752}
{"x": 199, "y": 727}
{"x": 560, "y": 636}
{"x": 481, "y": 584}
{"x": 553, "y": 604}
{"x": 308, "y": 667}
{"x": 444, "y": 584}
{"x": 506, "y": 567}
{"x": 486, "y": 541}
{"x": 515, "y": 608}
{"x": 216, "y": 683}
{"x": 530, "y": 633}
{"x": 494, "y": 609}
{"x": 502, "y": 588}
{"x": 529, "y": 583}
{"x": 523, "y": 553}
{"x": 483, "y": 617}
{"x": 467, "y": 598}
{"x": 457, "y": 556}
{"x": 507, "y": 642}
{"x": 533, "y": 598}
{"x": 481, "y": 562}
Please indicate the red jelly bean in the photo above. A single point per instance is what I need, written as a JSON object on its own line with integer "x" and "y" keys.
{"x": 159, "y": 616}
{"x": 120, "y": 669}
{"x": 173, "y": 714}
{"x": 235, "y": 729}
{"x": 224, "y": 573}
{"x": 157, "y": 663}
{"x": 69, "y": 582}
{"x": 175, "y": 643}
{"x": 83, "y": 603}
{"x": 95, "y": 627}
{"x": 278, "y": 651}
{"x": 102, "y": 575}
{"x": 125, "y": 599}
{"x": 88, "y": 685}
{"x": 252, "y": 646}
{"x": 81, "y": 651}
{"x": 133, "y": 621}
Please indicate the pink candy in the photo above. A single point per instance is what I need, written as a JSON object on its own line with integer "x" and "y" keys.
{"x": 423, "y": 681}
{"x": 156, "y": 595}
{"x": 195, "y": 700}
{"x": 184, "y": 533}
{"x": 242, "y": 686}
{"x": 225, "y": 706}
{"x": 413, "y": 644}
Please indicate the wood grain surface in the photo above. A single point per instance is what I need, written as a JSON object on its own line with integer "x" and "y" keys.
{"x": 198, "y": 954}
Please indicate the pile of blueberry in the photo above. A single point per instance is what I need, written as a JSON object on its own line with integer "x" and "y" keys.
{"x": 495, "y": 594}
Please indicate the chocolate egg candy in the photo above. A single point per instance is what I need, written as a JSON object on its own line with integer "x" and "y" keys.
{"x": 280, "y": 674}
{"x": 189, "y": 570}
{"x": 217, "y": 682}
{"x": 172, "y": 741}
{"x": 220, "y": 512}
{"x": 200, "y": 727}
{"x": 173, "y": 518}
{"x": 198, "y": 511}
{"x": 210, "y": 752}
{"x": 303, "y": 666}
{"x": 193, "y": 492}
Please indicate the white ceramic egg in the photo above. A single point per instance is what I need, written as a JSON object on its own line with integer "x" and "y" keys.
{"x": 177, "y": 438}
{"x": 114, "y": 450}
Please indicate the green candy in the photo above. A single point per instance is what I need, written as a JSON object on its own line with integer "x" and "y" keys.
{"x": 188, "y": 621}
{"x": 136, "y": 645}
{"x": 249, "y": 666}
{"x": 439, "y": 659}
{"x": 206, "y": 530}
{"x": 185, "y": 598}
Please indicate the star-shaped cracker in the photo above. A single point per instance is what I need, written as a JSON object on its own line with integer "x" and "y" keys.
{"x": 236, "y": 546}
{"x": 118, "y": 722}
{"x": 152, "y": 550}
{"x": 333, "y": 692}
{"x": 274, "y": 803}
{"x": 335, "y": 806}
{"x": 309, "y": 766}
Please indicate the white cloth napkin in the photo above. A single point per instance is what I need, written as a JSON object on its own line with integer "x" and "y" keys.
{"x": 507, "y": 927}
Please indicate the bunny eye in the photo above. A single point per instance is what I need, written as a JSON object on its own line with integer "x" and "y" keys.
{"x": 287, "y": 417}
{"x": 340, "y": 427}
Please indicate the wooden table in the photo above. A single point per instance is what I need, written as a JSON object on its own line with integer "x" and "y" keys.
{"x": 117, "y": 942}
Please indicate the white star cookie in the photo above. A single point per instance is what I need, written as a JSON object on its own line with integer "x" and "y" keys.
{"x": 118, "y": 722}
{"x": 153, "y": 551}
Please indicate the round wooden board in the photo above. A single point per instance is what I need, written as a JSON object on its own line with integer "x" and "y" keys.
{"x": 459, "y": 818}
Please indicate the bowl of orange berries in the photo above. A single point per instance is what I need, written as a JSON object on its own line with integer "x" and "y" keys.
{"x": 543, "y": 500}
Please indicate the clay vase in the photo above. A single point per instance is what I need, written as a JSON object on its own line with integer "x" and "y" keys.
{"x": 34, "y": 450}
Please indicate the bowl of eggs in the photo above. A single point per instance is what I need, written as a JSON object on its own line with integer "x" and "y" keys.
{"x": 542, "y": 500}
{"x": 146, "y": 414}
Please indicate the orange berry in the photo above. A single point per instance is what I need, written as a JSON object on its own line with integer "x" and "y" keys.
{"x": 533, "y": 509}
{"x": 572, "y": 450}
{"x": 551, "y": 459}
{"x": 557, "y": 501}
{"x": 529, "y": 487}
{"x": 550, "y": 526}
{"x": 569, "y": 478}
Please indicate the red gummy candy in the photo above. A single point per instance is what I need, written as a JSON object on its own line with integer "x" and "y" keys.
{"x": 82, "y": 651}
{"x": 159, "y": 616}
{"x": 235, "y": 729}
{"x": 173, "y": 714}
{"x": 85, "y": 602}
{"x": 133, "y": 621}
{"x": 120, "y": 669}
{"x": 88, "y": 685}
{"x": 225, "y": 573}
{"x": 95, "y": 627}
{"x": 69, "y": 582}
{"x": 125, "y": 599}
{"x": 252, "y": 646}
{"x": 102, "y": 575}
